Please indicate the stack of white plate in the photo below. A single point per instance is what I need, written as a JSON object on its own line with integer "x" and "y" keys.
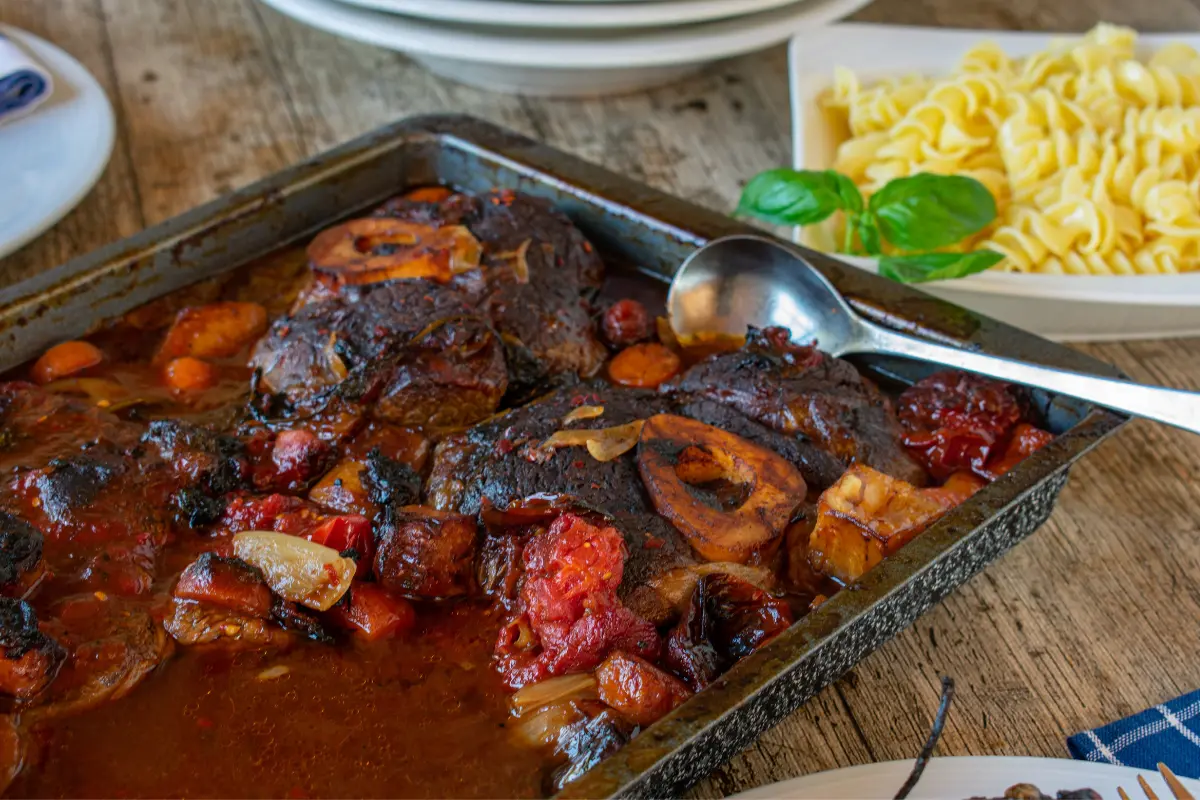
{"x": 567, "y": 47}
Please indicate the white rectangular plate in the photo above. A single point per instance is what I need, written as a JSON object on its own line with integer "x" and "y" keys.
{"x": 1061, "y": 307}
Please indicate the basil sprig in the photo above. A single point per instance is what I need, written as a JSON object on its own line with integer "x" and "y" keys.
{"x": 915, "y": 215}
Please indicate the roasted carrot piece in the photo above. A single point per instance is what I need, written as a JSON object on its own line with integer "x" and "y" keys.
{"x": 66, "y": 359}
{"x": 374, "y": 613}
{"x": 643, "y": 365}
{"x": 217, "y": 330}
{"x": 187, "y": 374}
{"x": 428, "y": 194}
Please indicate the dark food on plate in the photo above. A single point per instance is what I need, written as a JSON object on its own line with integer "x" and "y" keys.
{"x": 1027, "y": 791}
{"x": 424, "y": 515}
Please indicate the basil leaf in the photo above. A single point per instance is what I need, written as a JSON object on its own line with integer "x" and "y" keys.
{"x": 797, "y": 197}
{"x": 851, "y": 198}
{"x": 926, "y": 211}
{"x": 868, "y": 234}
{"x": 921, "y": 267}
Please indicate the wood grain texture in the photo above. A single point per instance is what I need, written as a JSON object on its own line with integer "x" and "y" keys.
{"x": 1091, "y": 619}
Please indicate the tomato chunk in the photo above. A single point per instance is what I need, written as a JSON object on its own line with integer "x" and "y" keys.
{"x": 349, "y": 532}
{"x": 66, "y": 359}
{"x": 956, "y": 421}
{"x": 1025, "y": 440}
{"x": 374, "y": 613}
{"x": 643, "y": 365}
{"x": 570, "y": 617}
{"x": 626, "y": 322}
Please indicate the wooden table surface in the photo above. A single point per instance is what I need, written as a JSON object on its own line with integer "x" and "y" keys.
{"x": 1093, "y": 618}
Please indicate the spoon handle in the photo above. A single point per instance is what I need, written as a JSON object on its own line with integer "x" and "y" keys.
{"x": 1170, "y": 406}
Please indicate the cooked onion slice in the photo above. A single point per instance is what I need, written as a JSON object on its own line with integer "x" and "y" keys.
{"x": 542, "y": 728}
{"x": 378, "y": 249}
{"x": 604, "y": 444}
{"x": 520, "y": 264}
{"x": 578, "y": 686}
{"x": 583, "y": 412}
{"x": 296, "y": 569}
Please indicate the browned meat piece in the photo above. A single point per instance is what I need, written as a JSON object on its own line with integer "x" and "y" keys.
{"x": 37, "y": 425}
{"x": 216, "y": 462}
{"x": 426, "y": 553}
{"x": 222, "y": 599}
{"x": 586, "y": 743}
{"x": 113, "y": 643}
{"x": 452, "y": 374}
{"x": 801, "y": 391}
{"x": 225, "y": 600}
{"x": 192, "y": 623}
{"x": 227, "y": 582}
{"x": 539, "y": 271}
{"x": 501, "y": 463}
{"x": 31, "y": 659}
{"x": 104, "y": 516}
{"x": 314, "y": 348}
{"x": 20, "y": 555}
{"x": 209, "y": 464}
{"x": 537, "y": 275}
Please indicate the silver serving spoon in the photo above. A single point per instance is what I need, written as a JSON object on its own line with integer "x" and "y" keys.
{"x": 745, "y": 280}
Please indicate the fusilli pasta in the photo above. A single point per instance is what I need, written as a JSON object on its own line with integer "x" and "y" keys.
{"x": 1093, "y": 155}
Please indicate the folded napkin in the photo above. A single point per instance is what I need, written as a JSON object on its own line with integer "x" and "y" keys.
{"x": 1169, "y": 734}
{"x": 23, "y": 83}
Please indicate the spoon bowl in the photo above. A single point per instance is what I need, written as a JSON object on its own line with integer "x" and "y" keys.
{"x": 743, "y": 280}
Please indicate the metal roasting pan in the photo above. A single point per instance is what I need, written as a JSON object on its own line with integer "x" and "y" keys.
{"x": 633, "y": 225}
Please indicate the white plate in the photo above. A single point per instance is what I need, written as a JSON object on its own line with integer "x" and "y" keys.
{"x": 1062, "y": 307}
{"x": 50, "y": 159}
{"x": 538, "y": 14}
{"x": 966, "y": 776}
{"x": 536, "y": 61}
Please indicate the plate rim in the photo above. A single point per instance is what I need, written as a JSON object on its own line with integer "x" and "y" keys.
{"x": 693, "y": 44}
{"x": 783, "y": 789}
{"x": 541, "y": 14}
{"x": 79, "y": 75}
{"x": 1181, "y": 289}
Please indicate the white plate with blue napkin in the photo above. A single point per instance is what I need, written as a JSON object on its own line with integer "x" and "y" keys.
{"x": 56, "y": 135}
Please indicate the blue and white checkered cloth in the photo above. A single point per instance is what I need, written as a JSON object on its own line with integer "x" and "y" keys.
{"x": 1168, "y": 734}
{"x": 24, "y": 84}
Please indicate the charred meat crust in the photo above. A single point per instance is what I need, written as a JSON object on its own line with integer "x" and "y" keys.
{"x": 31, "y": 659}
{"x": 20, "y": 548}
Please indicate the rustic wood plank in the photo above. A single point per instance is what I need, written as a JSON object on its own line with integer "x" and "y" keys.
{"x": 111, "y": 210}
{"x": 340, "y": 89}
{"x": 204, "y": 113}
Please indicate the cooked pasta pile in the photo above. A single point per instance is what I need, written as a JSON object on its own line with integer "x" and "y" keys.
{"x": 1092, "y": 154}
